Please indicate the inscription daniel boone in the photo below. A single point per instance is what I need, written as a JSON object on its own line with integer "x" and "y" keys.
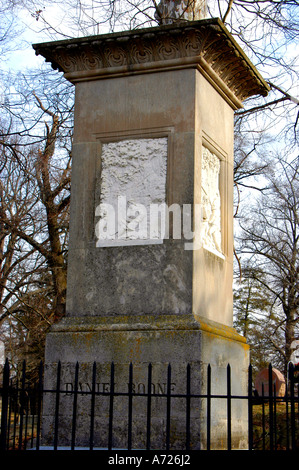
{"x": 104, "y": 387}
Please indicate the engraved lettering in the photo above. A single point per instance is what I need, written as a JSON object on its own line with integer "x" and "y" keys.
{"x": 104, "y": 387}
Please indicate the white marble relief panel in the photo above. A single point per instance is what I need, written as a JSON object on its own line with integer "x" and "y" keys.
{"x": 133, "y": 177}
{"x": 211, "y": 202}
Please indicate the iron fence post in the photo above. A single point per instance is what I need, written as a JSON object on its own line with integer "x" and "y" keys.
{"x": 110, "y": 432}
{"x": 92, "y": 410}
{"x": 209, "y": 407}
{"x": 168, "y": 409}
{"x": 292, "y": 397}
{"x": 229, "y": 429}
{"x": 39, "y": 405}
{"x": 4, "y": 409}
{"x": 250, "y": 404}
{"x": 149, "y": 407}
{"x": 130, "y": 407}
{"x": 56, "y": 427}
{"x": 75, "y": 401}
{"x": 22, "y": 408}
{"x": 188, "y": 403}
{"x": 270, "y": 406}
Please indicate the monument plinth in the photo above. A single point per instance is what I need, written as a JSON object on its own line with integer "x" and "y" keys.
{"x": 150, "y": 261}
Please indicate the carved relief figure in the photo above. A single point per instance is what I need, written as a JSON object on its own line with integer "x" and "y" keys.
{"x": 211, "y": 203}
{"x": 133, "y": 177}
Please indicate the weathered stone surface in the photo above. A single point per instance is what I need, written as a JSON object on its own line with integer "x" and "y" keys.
{"x": 171, "y": 11}
{"x": 133, "y": 180}
{"x": 161, "y": 341}
{"x": 176, "y": 85}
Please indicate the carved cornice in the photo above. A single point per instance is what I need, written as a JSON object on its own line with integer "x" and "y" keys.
{"x": 205, "y": 44}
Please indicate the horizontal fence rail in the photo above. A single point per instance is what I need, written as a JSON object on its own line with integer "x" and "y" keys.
{"x": 272, "y": 422}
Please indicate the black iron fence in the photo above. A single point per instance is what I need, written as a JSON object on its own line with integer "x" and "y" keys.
{"x": 272, "y": 422}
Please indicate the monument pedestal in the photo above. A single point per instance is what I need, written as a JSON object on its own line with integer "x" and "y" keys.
{"x": 178, "y": 340}
{"x": 150, "y": 262}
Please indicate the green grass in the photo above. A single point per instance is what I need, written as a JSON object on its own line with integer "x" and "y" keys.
{"x": 281, "y": 427}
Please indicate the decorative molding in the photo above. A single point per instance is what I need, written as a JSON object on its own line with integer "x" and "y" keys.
{"x": 209, "y": 143}
{"x": 204, "y": 43}
{"x": 145, "y": 323}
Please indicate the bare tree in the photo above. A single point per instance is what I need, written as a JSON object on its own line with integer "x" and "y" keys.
{"x": 269, "y": 246}
{"x": 257, "y": 319}
{"x": 35, "y": 193}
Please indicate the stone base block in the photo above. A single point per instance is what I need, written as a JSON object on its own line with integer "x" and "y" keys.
{"x": 150, "y": 344}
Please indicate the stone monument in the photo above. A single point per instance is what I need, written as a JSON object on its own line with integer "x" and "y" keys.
{"x": 262, "y": 383}
{"x": 150, "y": 262}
